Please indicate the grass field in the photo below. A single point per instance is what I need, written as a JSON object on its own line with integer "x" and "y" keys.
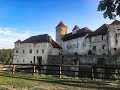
{"x": 18, "y": 81}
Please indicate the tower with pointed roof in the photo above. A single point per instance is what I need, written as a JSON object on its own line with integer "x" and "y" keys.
{"x": 75, "y": 29}
{"x": 61, "y": 30}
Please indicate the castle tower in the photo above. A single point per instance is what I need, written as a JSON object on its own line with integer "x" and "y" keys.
{"x": 75, "y": 29}
{"x": 61, "y": 30}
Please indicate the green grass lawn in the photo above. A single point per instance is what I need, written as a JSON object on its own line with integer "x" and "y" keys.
{"x": 18, "y": 81}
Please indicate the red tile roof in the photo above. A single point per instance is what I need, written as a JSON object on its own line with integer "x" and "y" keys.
{"x": 61, "y": 24}
{"x": 76, "y": 27}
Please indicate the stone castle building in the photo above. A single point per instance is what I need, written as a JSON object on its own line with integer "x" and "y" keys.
{"x": 35, "y": 50}
{"x": 103, "y": 41}
{"x": 82, "y": 41}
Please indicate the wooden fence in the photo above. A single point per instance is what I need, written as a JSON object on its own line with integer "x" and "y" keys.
{"x": 85, "y": 71}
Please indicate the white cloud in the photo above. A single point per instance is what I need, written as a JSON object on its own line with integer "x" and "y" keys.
{"x": 52, "y": 35}
{"x": 9, "y": 35}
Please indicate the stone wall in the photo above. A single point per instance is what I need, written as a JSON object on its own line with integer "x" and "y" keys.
{"x": 54, "y": 59}
{"x": 85, "y": 62}
{"x": 98, "y": 44}
{"x": 38, "y": 50}
{"x": 77, "y": 45}
{"x": 114, "y": 38}
{"x": 76, "y": 60}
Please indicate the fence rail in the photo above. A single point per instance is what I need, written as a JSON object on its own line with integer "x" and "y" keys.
{"x": 93, "y": 72}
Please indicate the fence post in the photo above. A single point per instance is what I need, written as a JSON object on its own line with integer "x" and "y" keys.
{"x": 34, "y": 70}
{"x": 13, "y": 69}
{"x": 92, "y": 76}
{"x": 60, "y": 72}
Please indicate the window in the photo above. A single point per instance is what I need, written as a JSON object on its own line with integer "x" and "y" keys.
{"x": 16, "y": 51}
{"x": 60, "y": 53}
{"x": 94, "y": 47}
{"x": 30, "y": 51}
{"x": 30, "y": 61}
{"x": 103, "y": 47}
{"x": 23, "y": 51}
{"x": 102, "y": 37}
{"x": 114, "y": 49}
{"x": 23, "y": 60}
{"x": 116, "y": 41}
{"x": 42, "y": 51}
{"x": 36, "y": 51}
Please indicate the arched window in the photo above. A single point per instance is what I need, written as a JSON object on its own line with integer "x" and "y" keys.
{"x": 30, "y": 51}
{"x": 115, "y": 49}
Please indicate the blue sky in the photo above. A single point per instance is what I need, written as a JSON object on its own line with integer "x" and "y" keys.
{"x": 20, "y": 19}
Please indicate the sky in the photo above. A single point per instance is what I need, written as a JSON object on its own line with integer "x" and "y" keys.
{"x": 20, "y": 19}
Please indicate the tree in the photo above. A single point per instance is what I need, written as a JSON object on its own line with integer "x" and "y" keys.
{"x": 111, "y": 8}
{"x": 6, "y": 56}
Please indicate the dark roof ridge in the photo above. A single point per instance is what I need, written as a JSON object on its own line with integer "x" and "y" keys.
{"x": 102, "y": 30}
{"x": 18, "y": 41}
{"x": 80, "y": 33}
{"x": 41, "y": 39}
{"x": 61, "y": 24}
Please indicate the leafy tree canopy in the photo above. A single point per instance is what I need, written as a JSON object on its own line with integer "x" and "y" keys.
{"x": 6, "y": 56}
{"x": 111, "y": 8}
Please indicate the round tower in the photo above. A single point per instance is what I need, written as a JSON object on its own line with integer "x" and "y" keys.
{"x": 61, "y": 30}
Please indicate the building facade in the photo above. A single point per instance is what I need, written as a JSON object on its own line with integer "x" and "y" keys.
{"x": 81, "y": 41}
{"x": 103, "y": 41}
{"x": 35, "y": 50}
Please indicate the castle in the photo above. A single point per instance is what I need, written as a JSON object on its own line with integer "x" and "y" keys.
{"x": 81, "y": 41}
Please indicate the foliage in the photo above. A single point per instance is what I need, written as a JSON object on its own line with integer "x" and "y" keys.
{"x": 6, "y": 56}
{"x": 111, "y": 8}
